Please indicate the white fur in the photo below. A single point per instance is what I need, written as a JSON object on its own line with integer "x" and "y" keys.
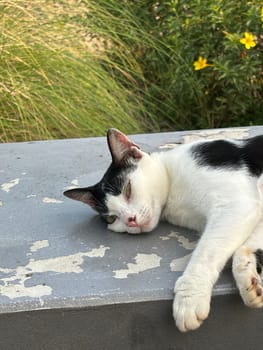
{"x": 225, "y": 204}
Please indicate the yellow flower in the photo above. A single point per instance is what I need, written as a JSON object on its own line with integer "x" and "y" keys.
{"x": 248, "y": 40}
{"x": 201, "y": 63}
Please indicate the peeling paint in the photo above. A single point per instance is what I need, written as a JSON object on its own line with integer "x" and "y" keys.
{"x": 51, "y": 200}
{"x": 142, "y": 263}
{"x": 31, "y": 196}
{"x": 5, "y": 270}
{"x": 180, "y": 264}
{"x": 169, "y": 145}
{"x": 164, "y": 238}
{"x": 8, "y": 185}
{"x": 74, "y": 184}
{"x": 184, "y": 242}
{"x": 14, "y": 285}
{"x": 216, "y": 134}
{"x": 98, "y": 252}
{"x": 39, "y": 245}
{"x": 209, "y": 135}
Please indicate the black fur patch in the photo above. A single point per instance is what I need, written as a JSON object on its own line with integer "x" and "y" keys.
{"x": 111, "y": 183}
{"x": 259, "y": 257}
{"x": 223, "y": 153}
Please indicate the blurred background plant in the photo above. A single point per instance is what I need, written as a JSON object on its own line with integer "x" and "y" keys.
{"x": 53, "y": 78}
{"x": 74, "y": 68}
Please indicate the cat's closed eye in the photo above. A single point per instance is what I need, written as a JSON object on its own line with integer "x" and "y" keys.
{"x": 127, "y": 190}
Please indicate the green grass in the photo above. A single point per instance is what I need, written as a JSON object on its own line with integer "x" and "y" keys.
{"x": 53, "y": 78}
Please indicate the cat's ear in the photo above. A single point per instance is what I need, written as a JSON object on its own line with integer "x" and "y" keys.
{"x": 121, "y": 147}
{"x": 84, "y": 195}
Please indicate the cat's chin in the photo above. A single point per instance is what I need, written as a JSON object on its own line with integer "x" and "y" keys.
{"x": 134, "y": 232}
{"x": 144, "y": 228}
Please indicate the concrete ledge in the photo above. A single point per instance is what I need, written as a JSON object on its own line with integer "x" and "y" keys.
{"x": 132, "y": 326}
{"x": 68, "y": 283}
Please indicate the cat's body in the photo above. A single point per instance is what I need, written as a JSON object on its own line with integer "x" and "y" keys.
{"x": 215, "y": 187}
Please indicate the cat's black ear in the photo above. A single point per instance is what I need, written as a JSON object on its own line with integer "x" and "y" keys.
{"x": 84, "y": 195}
{"x": 121, "y": 147}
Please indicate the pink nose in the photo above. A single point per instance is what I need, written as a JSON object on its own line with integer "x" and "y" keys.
{"x": 132, "y": 221}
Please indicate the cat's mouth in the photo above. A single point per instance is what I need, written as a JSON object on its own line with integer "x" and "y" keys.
{"x": 147, "y": 220}
{"x": 146, "y": 226}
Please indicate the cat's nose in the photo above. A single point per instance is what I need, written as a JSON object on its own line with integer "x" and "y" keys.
{"x": 132, "y": 221}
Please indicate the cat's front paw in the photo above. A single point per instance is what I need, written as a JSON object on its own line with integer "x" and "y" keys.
{"x": 191, "y": 304}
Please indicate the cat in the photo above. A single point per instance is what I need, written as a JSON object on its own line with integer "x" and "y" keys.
{"x": 212, "y": 186}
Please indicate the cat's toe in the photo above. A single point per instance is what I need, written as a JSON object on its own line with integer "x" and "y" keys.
{"x": 247, "y": 278}
{"x": 190, "y": 307}
{"x": 252, "y": 293}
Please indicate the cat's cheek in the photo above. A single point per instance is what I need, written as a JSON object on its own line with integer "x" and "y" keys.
{"x": 153, "y": 221}
{"x": 150, "y": 227}
{"x": 151, "y": 224}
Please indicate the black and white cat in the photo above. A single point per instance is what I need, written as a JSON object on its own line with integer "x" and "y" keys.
{"x": 215, "y": 187}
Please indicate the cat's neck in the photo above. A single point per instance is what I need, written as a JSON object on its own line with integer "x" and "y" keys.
{"x": 162, "y": 176}
{"x": 169, "y": 160}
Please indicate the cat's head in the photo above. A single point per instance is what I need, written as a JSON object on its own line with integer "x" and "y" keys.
{"x": 130, "y": 195}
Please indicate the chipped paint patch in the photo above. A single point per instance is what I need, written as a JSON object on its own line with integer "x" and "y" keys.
{"x": 209, "y": 135}
{"x": 184, "y": 242}
{"x": 51, "y": 200}
{"x": 216, "y": 134}
{"x": 39, "y": 245}
{"x": 142, "y": 263}
{"x": 98, "y": 252}
{"x": 14, "y": 284}
{"x": 169, "y": 145}
{"x": 8, "y": 185}
{"x": 180, "y": 264}
{"x": 74, "y": 184}
{"x": 164, "y": 238}
{"x": 31, "y": 196}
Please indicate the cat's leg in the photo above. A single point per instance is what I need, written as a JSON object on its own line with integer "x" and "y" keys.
{"x": 226, "y": 230}
{"x": 247, "y": 267}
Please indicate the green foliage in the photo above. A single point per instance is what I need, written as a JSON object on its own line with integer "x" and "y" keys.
{"x": 167, "y": 37}
{"x": 74, "y": 68}
{"x": 229, "y": 92}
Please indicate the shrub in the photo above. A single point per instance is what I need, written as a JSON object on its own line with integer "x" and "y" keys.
{"x": 167, "y": 37}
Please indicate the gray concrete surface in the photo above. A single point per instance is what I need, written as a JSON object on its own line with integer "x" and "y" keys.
{"x": 68, "y": 283}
